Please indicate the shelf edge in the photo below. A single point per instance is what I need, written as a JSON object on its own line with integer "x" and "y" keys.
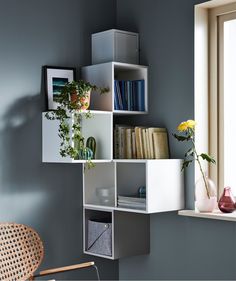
{"x": 215, "y": 215}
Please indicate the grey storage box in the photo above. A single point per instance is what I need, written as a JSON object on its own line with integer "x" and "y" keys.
{"x": 99, "y": 237}
{"x": 115, "y": 45}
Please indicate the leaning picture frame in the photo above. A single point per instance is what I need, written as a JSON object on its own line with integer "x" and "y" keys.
{"x": 55, "y": 79}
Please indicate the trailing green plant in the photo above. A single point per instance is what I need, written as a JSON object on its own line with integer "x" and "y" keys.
{"x": 71, "y": 102}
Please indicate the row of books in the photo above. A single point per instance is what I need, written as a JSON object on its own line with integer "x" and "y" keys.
{"x": 129, "y": 95}
{"x": 140, "y": 143}
{"x": 131, "y": 202}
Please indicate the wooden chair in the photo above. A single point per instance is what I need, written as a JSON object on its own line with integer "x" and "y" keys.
{"x": 21, "y": 253}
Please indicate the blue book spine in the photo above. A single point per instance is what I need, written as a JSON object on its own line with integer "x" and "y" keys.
{"x": 119, "y": 96}
{"x": 142, "y": 95}
{"x": 126, "y": 93}
{"x": 134, "y": 96}
{"x": 116, "y": 106}
{"x": 129, "y": 94}
{"x": 122, "y": 90}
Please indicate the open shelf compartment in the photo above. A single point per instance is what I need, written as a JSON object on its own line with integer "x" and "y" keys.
{"x": 104, "y": 74}
{"x": 131, "y": 178}
{"x": 99, "y": 126}
{"x": 162, "y": 178}
{"x": 100, "y": 185}
{"x": 130, "y": 233}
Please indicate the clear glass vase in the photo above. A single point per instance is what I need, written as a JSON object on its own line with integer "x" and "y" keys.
{"x": 205, "y": 195}
{"x": 227, "y": 202}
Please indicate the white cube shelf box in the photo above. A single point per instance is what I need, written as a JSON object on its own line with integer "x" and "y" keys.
{"x": 105, "y": 74}
{"x": 130, "y": 233}
{"x": 115, "y": 45}
{"x": 99, "y": 126}
{"x": 162, "y": 178}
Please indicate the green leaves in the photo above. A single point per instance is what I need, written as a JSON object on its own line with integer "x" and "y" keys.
{"x": 186, "y": 163}
{"x": 181, "y": 138}
{"x": 189, "y": 153}
{"x": 208, "y": 158}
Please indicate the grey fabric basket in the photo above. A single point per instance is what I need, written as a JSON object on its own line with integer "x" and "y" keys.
{"x": 99, "y": 238}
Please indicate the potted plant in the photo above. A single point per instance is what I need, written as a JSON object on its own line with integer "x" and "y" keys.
{"x": 74, "y": 100}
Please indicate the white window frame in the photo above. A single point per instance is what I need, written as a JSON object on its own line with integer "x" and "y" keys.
{"x": 206, "y": 87}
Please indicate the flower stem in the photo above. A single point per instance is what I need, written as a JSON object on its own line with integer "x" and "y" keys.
{"x": 200, "y": 166}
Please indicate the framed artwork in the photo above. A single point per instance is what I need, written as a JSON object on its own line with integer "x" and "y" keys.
{"x": 55, "y": 80}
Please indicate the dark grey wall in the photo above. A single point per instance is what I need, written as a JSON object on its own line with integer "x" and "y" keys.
{"x": 181, "y": 248}
{"x": 46, "y": 196}
{"x": 49, "y": 196}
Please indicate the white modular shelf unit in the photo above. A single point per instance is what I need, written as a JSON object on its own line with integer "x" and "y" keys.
{"x": 130, "y": 232}
{"x": 100, "y": 126}
{"x": 162, "y": 178}
{"x": 104, "y": 74}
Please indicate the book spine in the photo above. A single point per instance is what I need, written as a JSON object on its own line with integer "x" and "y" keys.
{"x": 119, "y": 96}
{"x": 147, "y": 143}
{"x": 116, "y": 104}
{"x": 129, "y": 94}
{"x": 142, "y": 95}
{"x": 141, "y": 143}
{"x": 122, "y": 90}
{"x": 160, "y": 142}
{"x": 116, "y": 144}
{"x": 151, "y": 143}
{"x": 134, "y": 150}
{"x": 144, "y": 143}
{"x": 128, "y": 143}
{"x": 137, "y": 139}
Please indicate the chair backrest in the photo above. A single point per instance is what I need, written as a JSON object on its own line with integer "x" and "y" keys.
{"x": 21, "y": 252}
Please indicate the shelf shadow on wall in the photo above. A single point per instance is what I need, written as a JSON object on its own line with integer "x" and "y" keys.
{"x": 46, "y": 196}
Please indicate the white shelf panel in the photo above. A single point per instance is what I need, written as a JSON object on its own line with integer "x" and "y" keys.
{"x": 124, "y": 66}
{"x": 109, "y": 208}
{"x": 146, "y": 160}
{"x": 130, "y": 210}
{"x": 215, "y": 215}
{"x": 94, "y": 161}
{"x": 98, "y": 207}
{"x": 97, "y": 112}
{"x": 128, "y": 112}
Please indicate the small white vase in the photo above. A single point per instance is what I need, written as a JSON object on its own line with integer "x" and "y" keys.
{"x": 202, "y": 202}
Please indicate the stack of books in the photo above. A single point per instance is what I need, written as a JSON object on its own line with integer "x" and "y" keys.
{"x": 129, "y": 95}
{"x": 140, "y": 143}
{"x": 131, "y": 202}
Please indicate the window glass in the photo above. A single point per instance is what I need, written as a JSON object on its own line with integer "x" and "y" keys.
{"x": 229, "y": 103}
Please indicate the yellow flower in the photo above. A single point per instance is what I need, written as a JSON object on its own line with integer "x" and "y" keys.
{"x": 190, "y": 124}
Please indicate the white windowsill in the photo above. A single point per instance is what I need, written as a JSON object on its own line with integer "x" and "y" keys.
{"x": 215, "y": 215}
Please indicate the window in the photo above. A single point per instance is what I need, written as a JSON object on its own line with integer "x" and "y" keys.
{"x": 227, "y": 99}
{"x": 215, "y": 88}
